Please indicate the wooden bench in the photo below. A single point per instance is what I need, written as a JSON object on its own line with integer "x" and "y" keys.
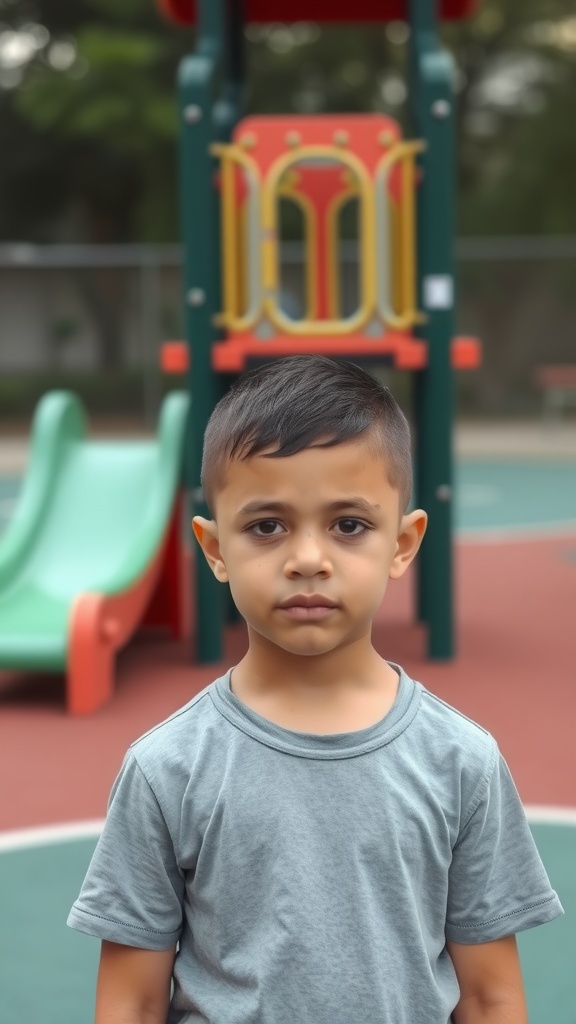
{"x": 558, "y": 386}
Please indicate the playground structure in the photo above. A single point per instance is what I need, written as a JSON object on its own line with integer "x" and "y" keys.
{"x": 95, "y": 549}
{"x": 322, "y": 166}
{"x": 238, "y": 175}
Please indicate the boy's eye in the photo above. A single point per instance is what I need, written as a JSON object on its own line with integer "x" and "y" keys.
{"x": 265, "y": 528}
{"x": 351, "y": 527}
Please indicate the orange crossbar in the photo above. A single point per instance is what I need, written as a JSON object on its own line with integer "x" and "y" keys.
{"x": 405, "y": 352}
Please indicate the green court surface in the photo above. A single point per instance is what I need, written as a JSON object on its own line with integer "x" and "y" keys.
{"x": 491, "y": 495}
{"x": 47, "y": 971}
{"x": 514, "y": 496}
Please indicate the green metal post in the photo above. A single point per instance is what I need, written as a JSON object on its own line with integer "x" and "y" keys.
{"x": 199, "y": 82}
{"x": 431, "y": 94}
{"x": 227, "y": 114}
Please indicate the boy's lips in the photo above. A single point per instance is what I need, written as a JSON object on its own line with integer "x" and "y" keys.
{"x": 308, "y": 601}
{"x": 307, "y": 607}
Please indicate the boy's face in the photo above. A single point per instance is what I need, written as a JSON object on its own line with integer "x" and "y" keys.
{"x": 308, "y": 543}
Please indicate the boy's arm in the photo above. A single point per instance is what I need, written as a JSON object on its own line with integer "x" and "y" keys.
{"x": 490, "y": 979}
{"x": 133, "y": 985}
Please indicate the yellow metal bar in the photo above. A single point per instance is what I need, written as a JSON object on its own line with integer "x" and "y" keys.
{"x": 270, "y": 257}
{"x": 404, "y": 251}
{"x": 396, "y": 281}
{"x": 242, "y": 271}
{"x": 367, "y": 250}
{"x": 408, "y": 234}
{"x": 232, "y": 287}
{"x": 229, "y": 236}
{"x": 270, "y": 260}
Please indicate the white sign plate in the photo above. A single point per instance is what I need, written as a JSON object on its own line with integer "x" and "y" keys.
{"x": 438, "y": 291}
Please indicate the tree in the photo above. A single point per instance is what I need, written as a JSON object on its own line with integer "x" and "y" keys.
{"x": 92, "y": 112}
{"x": 89, "y": 120}
{"x": 97, "y": 97}
{"x": 516, "y": 81}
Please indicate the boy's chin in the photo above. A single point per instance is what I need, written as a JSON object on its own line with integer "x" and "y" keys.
{"x": 303, "y": 647}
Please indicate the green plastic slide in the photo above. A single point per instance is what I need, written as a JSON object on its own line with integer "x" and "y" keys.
{"x": 91, "y": 519}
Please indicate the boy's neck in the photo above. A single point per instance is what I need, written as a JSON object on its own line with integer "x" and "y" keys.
{"x": 341, "y": 691}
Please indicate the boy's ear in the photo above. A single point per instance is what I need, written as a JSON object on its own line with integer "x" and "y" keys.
{"x": 206, "y": 533}
{"x": 410, "y": 534}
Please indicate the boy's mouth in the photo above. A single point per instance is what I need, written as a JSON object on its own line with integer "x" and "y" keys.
{"x": 308, "y": 606}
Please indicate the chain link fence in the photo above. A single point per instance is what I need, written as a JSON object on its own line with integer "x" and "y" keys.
{"x": 93, "y": 318}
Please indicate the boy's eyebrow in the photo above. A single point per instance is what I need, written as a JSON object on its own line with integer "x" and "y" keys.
{"x": 279, "y": 507}
{"x": 356, "y": 502}
{"x": 257, "y": 507}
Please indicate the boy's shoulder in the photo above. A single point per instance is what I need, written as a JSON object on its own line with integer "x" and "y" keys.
{"x": 447, "y": 742}
{"x": 453, "y": 722}
{"x": 178, "y": 735}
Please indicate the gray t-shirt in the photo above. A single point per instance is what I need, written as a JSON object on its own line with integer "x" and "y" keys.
{"x": 313, "y": 879}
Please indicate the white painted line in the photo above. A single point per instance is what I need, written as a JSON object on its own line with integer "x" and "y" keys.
{"x": 49, "y": 835}
{"x": 550, "y": 815}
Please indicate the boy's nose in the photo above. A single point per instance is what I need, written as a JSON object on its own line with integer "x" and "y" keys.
{"x": 307, "y": 557}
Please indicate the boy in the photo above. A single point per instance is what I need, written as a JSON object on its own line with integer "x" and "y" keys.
{"x": 314, "y": 838}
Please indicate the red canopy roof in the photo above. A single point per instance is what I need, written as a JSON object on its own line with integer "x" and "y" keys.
{"x": 184, "y": 11}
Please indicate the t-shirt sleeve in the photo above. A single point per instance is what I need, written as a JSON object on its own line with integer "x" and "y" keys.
{"x": 497, "y": 882}
{"x": 133, "y": 891}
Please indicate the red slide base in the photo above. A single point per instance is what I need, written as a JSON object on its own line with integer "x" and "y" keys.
{"x": 100, "y": 624}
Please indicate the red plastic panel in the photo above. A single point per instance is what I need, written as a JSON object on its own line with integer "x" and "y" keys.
{"x": 402, "y": 350}
{"x": 270, "y": 135}
{"x": 184, "y": 11}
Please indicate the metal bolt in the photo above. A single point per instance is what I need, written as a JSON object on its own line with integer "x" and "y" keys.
{"x": 443, "y": 493}
{"x": 293, "y": 139}
{"x": 248, "y": 140}
{"x": 192, "y": 113}
{"x": 386, "y": 138}
{"x": 441, "y": 109}
{"x": 341, "y": 138}
{"x": 196, "y": 297}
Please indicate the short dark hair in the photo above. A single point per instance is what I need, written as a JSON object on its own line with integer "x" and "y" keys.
{"x": 293, "y": 403}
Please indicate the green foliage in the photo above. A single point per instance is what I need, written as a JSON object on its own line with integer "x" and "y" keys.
{"x": 117, "y": 100}
{"x": 128, "y": 12}
{"x": 116, "y": 95}
{"x": 97, "y": 108}
{"x": 517, "y": 139}
{"x": 89, "y": 140}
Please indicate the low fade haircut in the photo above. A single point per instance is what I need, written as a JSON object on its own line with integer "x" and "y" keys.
{"x": 303, "y": 402}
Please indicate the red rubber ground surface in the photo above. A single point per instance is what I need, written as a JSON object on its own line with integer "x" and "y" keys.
{"x": 515, "y": 673}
